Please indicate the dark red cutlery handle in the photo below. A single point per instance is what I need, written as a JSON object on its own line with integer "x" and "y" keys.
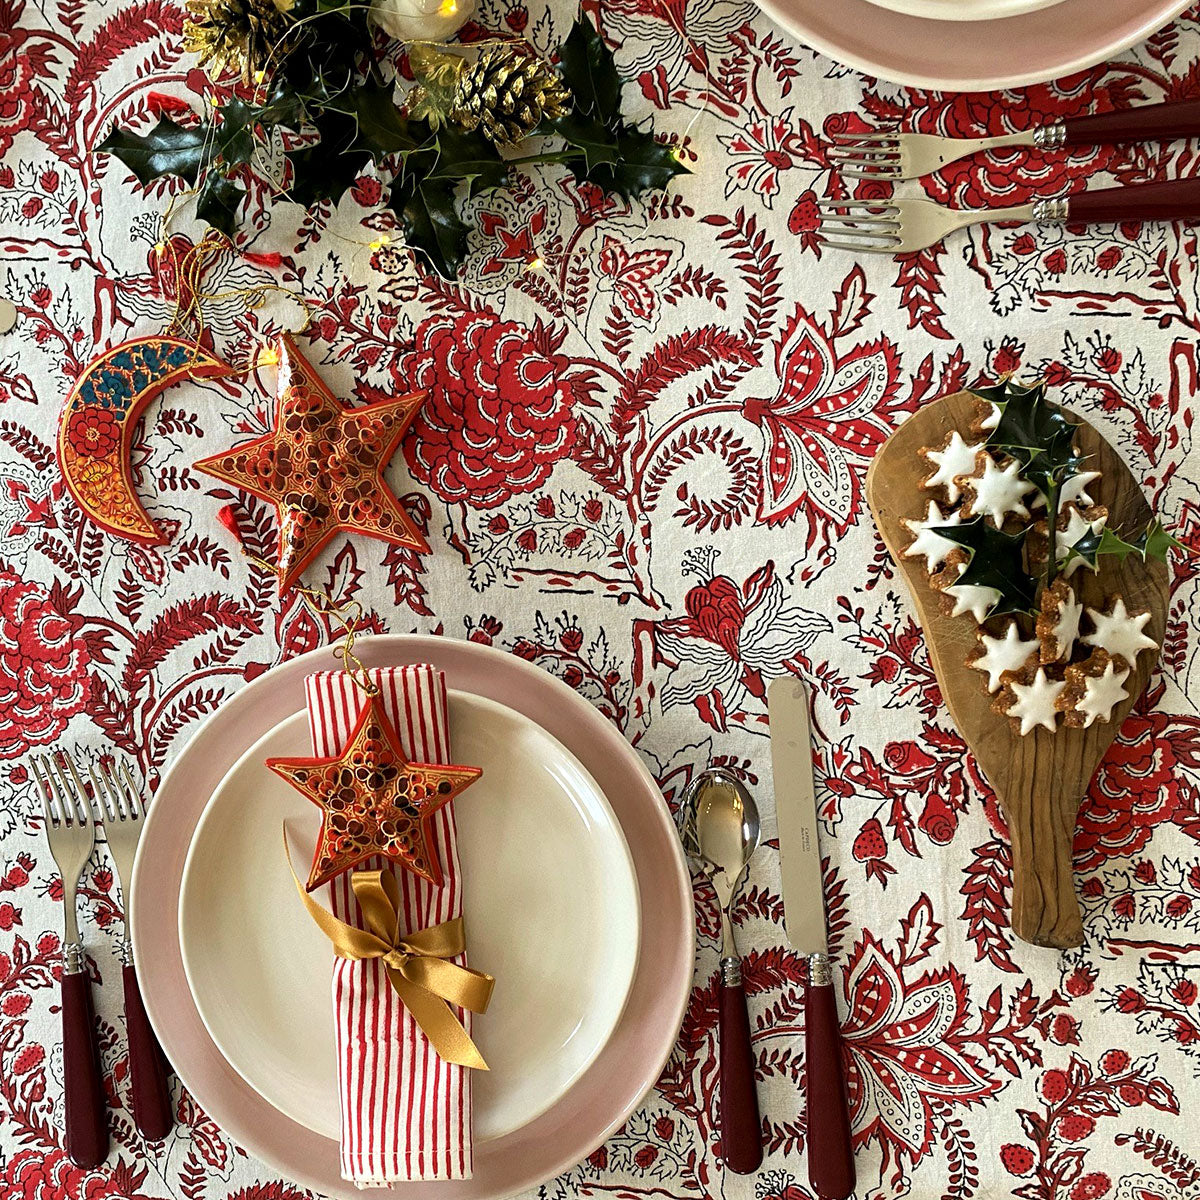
{"x": 1177, "y": 199}
{"x": 87, "y": 1118}
{"x": 147, "y": 1066}
{"x": 1149, "y": 123}
{"x": 741, "y": 1130}
{"x": 830, "y": 1154}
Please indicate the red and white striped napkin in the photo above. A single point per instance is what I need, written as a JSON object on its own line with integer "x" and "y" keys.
{"x": 406, "y": 1113}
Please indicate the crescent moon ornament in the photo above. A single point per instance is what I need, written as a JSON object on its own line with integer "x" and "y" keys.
{"x": 96, "y": 426}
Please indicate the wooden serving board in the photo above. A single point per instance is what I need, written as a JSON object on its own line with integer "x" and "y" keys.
{"x": 1039, "y": 779}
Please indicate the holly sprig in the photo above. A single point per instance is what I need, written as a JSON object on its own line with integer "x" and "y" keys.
{"x": 331, "y": 90}
{"x": 1041, "y": 437}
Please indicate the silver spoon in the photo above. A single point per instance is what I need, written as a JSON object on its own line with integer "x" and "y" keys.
{"x": 721, "y": 832}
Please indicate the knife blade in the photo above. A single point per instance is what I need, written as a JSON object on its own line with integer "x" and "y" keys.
{"x": 830, "y": 1151}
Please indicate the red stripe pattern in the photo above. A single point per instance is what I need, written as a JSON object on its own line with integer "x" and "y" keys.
{"x": 406, "y": 1114}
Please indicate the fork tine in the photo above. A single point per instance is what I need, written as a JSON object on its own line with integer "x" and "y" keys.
{"x": 861, "y": 247}
{"x": 133, "y": 794}
{"x": 58, "y": 788}
{"x": 39, "y": 773}
{"x": 891, "y": 171}
{"x": 867, "y": 207}
{"x": 857, "y": 221}
{"x": 873, "y": 150}
{"x": 102, "y": 789}
{"x": 867, "y": 135}
{"x": 79, "y": 793}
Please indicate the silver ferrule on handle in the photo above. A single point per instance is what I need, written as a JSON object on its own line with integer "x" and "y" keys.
{"x": 1051, "y": 212}
{"x": 73, "y": 958}
{"x": 1050, "y": 137}
{"x": 731, "y": 971}
{"x": 820, "y": 970}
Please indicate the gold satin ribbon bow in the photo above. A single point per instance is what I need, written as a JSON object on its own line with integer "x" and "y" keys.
{"x": 417, "y": 965}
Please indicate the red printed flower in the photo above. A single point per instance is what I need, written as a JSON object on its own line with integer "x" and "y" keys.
{"x": 43, "y": 667}
{"x": 93, "y": 432}
{"x": 41, "y": 1175}
{"x": 1138, "y": 784}
{"x": 497, "y": 414}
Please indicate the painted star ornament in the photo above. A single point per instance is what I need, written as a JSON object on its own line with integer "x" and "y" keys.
{"x": 322, "y": 466}
{"x": 373, "y": 801}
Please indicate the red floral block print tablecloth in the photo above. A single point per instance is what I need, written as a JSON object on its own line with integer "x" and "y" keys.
{"x": 640, "y": 465}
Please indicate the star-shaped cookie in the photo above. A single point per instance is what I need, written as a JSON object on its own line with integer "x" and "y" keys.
{"x": 373, "y": 800}
{"x": 322, "y": 466}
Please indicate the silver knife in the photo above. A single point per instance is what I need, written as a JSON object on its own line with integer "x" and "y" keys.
{"x": 830, "y": 1153}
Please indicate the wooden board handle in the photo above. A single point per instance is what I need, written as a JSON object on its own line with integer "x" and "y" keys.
{"x": 147, "y": 1067}
{"x": 86, "y": 1112}
{"x": 741, "y": 1130}
{"x": 1045, "y": 910}
{"x": 830, "y": 1154}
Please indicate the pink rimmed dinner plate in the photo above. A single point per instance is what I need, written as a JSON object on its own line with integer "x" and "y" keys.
{"x": 964, "y": 56}
{"x": 630, "y": 1061}
{"x": 549, "y": 896}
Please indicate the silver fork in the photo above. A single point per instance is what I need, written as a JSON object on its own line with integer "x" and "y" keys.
{"x": 889, "y": 154}
{"x": 72, "y": 835}
{"x": 119, "y": 798}
{"x": 903, "y": 226}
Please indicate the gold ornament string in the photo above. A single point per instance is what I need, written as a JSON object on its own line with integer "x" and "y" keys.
{"x": 187, "y": 318}
{"x": 347, "y": 613}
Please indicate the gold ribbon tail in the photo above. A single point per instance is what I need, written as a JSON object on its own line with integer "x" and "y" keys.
{"x": 417, "y": 965}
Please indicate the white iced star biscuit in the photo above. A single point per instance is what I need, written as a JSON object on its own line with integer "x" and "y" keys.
{"x": 1058, "y": 621}
{"x": 1032, "y": 704}
{"x": 971, "y": 597}
{"x": 999, "y": 656}
{"x": 1094, "y": 688}
{"x": 1077, "y": 525}
{"x": 1072, "y": 491}
{"x": 928, "y": 545}
{"x": 991, "y": 490}
{"x": 1119, "y": 633}
{"x": 955, "y": 458}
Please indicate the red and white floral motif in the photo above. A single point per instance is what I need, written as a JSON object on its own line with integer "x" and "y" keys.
{"x": 43, "y": 667}
{"x": 497, "y": 412}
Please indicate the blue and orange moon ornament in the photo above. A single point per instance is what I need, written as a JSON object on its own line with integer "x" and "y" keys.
{"x": 97, "y": 424}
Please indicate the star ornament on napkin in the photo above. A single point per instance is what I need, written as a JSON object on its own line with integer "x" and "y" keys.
{"x": 374, "y": 801}
{"x": 322, "y": 466}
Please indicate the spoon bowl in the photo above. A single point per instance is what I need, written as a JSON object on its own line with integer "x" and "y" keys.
{"x": 722, "y": 829}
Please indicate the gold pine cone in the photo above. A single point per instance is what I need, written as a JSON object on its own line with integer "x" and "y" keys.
{"x": 246, "y": 36}
{"x": 505, "y": 94}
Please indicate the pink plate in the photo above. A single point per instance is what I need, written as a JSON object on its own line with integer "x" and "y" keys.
{"x": 963, "y": 56}
{"x": 626, "y": 1068}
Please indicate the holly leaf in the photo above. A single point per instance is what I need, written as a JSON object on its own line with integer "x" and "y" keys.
{"x": 218, "y": 202}
{"x": 168, "y": 149}
{"x": 1154, "y": 542}
{"x": 466, "y": 157}
{"x": 233, "y": 134}
{"x": 425, "y": 209}
{"x": 382, "y": 128}
{"x": 588, "y": 69}
{"x": 1037, "y": 434}
{"x": 997, "y": 561}
{"x": 324, "y": 170}
{"x": 641, "y": 164}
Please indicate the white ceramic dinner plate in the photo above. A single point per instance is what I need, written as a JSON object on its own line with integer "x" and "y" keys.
{"x": 964, "y": 10}
{"x": 549, "y": 895}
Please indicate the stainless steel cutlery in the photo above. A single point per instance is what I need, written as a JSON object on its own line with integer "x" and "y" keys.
{"x": 721, "y": 832}
{"x": 118, "y": 796}
{"x": 71, "y": 832}
{"x": 830, "y": 1154}
{"x": 904, "y": 226}
{"x": 892, "y": 155}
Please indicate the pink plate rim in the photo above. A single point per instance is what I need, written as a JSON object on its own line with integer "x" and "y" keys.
{"x": 626, "y": 1068}
{"x": 965, "y": 56}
